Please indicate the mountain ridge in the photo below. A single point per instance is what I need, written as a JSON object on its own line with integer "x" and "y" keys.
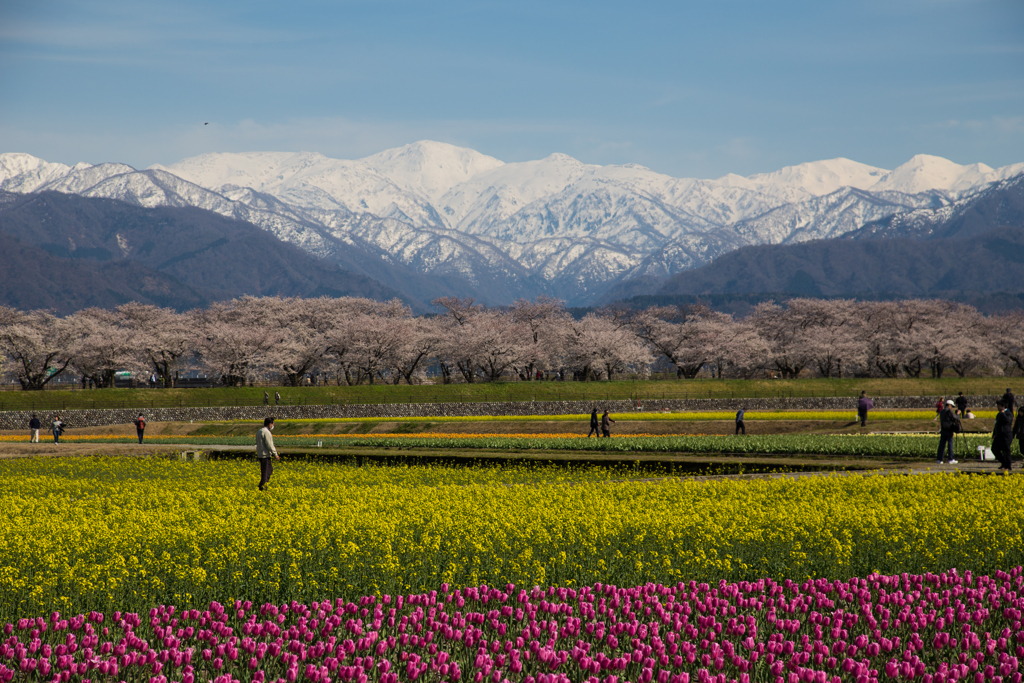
{"x": 553, "y": 226}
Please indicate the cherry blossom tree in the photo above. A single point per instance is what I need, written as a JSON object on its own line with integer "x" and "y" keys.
{"x": 38, "y": 343}
{"x": 686, "y": 335}
{"x": 104, "y": 345}
{"x": 304, "y": 329}
{"x": 597, "y": 346}
{"x": 163, "y": 336}
{"x": 236, "y": 340}
{"x": 829, "y": 331}
{"x": 1005, "y": 333}
{"x": 458, "y": 340}
{"x": 740, "y": 351}
{"x": 417, "y": 342}
{"x": 545, "y": 319}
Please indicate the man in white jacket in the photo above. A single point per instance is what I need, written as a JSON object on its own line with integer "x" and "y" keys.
{"x": 265, "y": 449}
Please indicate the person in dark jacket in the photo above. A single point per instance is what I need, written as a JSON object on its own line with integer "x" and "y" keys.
{"x": 595, "y": 425}
{"x": 606, "y": 422}
{"x": 1018, "y": 430}
{"x": 740, "y": 427}
{"x": 34, "y": 426}
{"x": 864, "y": 404}
{"x": 961, "y": 404}
{"x": 1002, "y": 436}
{"x": 949, "y": 425}
{"x": 1009, "y": 400}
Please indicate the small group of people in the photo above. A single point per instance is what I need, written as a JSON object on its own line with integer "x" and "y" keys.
{"x": 57, "y": 427}
{"x": 605, "y": 424}
{"x": 1005, "y": 429}
{"x": 277, "y": 398}
{"x": 34, "y": 425}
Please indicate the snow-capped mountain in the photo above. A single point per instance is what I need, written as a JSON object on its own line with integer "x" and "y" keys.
{"x": 555, "y": 225}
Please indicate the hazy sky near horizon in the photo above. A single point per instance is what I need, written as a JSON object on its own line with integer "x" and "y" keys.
{"x": 691, "y": 89}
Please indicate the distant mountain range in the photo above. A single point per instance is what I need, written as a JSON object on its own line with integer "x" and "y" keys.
{"x": 430, "y": 219}
{"x": 67, "y": 252}
{"x": 971, "y": 249}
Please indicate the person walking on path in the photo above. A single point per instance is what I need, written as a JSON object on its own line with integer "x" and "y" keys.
{"x": 949, "y": 425}
{"x": 864, "y": 404}
{"x": 1002, "y": 436}
{"x": 57, "y": 427}
{"x": 594, "y": 425}
{"x": 266, "y": 399}
{"x": 1010, "y": 400}
{"x": 264, "y": 450}
{"x": 961, "y": 405}
{"x": 277, "y": 398}
{"x": 606, "y": 422}
{"x": 34, "y": 425}
{"x": 140, "y": 426}
{"x": 1018, "y": 430}
{"x": 740, "y": 427}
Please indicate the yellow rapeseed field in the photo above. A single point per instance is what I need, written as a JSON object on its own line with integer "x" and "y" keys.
{"x": 127, "y": 533}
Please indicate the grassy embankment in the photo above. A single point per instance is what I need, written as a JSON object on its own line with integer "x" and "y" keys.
{"x": 503, "y": 391}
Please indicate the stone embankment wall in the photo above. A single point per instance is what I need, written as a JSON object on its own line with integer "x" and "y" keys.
{"x": 100, "y": 417}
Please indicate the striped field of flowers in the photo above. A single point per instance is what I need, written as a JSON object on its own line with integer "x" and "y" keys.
{"x": 902, "y": 445}
{"x": 640, "y": 415}
{"x": 81, "y": 534}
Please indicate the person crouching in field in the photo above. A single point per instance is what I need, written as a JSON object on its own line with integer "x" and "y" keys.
{"x": 740, "y": 427}
{"x": 265, "y": 449}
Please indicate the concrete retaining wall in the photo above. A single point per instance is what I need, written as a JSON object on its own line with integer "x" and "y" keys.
{"x": 99, "y": 417}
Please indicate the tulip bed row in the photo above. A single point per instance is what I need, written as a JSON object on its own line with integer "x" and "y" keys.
{"x": 932, "y": 628}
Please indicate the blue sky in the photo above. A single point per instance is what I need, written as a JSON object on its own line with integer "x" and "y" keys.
{"x": 695, "y": 89}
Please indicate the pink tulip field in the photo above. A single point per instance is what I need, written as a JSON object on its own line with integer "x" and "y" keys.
{"x": 931, "y": 628}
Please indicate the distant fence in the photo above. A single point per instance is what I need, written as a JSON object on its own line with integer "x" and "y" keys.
{"x": 18, "y": 419}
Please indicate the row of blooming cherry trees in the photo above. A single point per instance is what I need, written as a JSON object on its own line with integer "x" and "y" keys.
{"x": 354, "y": 341}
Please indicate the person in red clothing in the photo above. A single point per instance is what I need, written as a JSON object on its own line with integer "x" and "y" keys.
{"x": 140, "y": 426}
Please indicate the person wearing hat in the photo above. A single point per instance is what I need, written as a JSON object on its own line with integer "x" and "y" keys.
{"x": 1002, "y": 436}
{"x": 949, "y": 425}
{"x": 265, "y": 449}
